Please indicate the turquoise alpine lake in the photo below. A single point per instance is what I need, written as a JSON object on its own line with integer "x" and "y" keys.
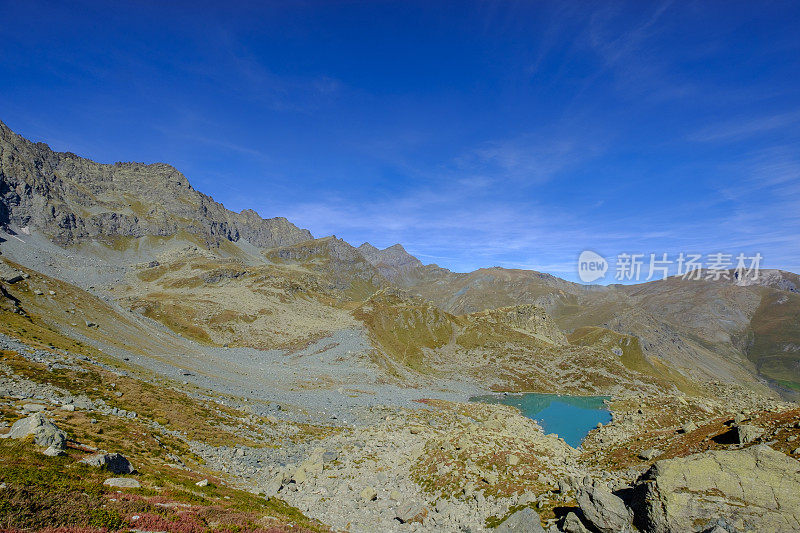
{"x": 569, "y": 417}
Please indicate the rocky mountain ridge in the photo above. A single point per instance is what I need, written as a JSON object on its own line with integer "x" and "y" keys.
{"x": 73, "y": 199}
{"x": 393, "y": 262}
{"x": 735, "y": 331}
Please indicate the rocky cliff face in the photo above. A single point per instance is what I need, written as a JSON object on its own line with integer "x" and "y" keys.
{"x": 73, "y": 199}
{"x": 393, "y": 262}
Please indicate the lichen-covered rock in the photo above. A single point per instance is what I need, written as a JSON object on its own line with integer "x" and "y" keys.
{"x": 650, "y": 453}
{"x": 523, "y": 521}
{"x": 45, "y": 433}
{"x": 603, "y": 510}
{"x": 368, "y": 494}
{"x": 747, "y": 433}
{"x": 573, "y": 524}
{"x": 113, "y": 462}
{"x": 753, "y": 489}
{"x": 122, "y": 482}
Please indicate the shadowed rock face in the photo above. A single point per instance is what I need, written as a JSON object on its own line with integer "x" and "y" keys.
{"x": 72, "y": 199}
{"x": 753, "y": 489}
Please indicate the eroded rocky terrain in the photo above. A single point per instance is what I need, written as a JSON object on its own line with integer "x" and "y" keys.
{"x": 251, "y": 377}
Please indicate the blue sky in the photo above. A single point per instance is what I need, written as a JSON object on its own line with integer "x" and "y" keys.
{"x": 475, "y": 133}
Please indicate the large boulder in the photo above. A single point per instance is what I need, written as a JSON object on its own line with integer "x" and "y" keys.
{"x": 753, "y": 489}
{"x": 602, "y": 510}
{"x": 45, "y": 433}
{"x": 746, "y": 433}
{"x": 113, "y": 462}
{"x": 523, "y": 521}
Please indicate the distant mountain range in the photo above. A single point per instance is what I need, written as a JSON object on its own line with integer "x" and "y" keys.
{"x": 222, "y": 277}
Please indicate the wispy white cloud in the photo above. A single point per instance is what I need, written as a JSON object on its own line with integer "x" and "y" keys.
{"x": 746, "y": 127}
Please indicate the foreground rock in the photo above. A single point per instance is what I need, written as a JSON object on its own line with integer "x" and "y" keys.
{"x": 746, "y": 433}
{"x": 113, "y": 462}
{"x": 604, "y": 511}
{"x": 573, "y": 524}
{"x": 523, "y": 521}
{"x": 754, "y": 489}
{"x": 45, "y": 433}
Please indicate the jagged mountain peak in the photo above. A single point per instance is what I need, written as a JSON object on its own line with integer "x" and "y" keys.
{"x": 368, "y": 248}
{"x": 393, "y": 262}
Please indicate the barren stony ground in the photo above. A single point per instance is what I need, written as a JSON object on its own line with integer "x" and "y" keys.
{"x": 321, "y": 428}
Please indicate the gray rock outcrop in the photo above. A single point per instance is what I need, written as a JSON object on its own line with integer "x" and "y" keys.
{"x": 523, "y": 521}
{"x": 753, "y": 489}
{"x": 746, "y": 433}
{"x": 45, "y": 433}
{"x": 604, "y": 511}
{"x": 113, "y": 462}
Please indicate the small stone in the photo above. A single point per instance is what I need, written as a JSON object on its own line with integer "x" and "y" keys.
{"x": 122, "y": 482}
{"x": 202, "y": 483}
{"x": 330, "y": 456}
{"x": 368, "y": 494}
{"x": 299, "y": 475}
{"x": 51, "y": 293}
{"x": 688, "y": 427}
{"x": 53, "y": 451}
{"x": 33, "y": 407}
{"x": 512, "y": 460}
{"x": 68, "y": 407}
{"x": 411, "y": 512}
{"x": 650, "y": 453}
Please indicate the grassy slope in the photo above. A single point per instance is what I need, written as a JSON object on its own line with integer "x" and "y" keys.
{"x": 55, "y": 492}
{"x": 775, "y": 345}
{"x": 299, "y": 294}
{"x": 631, "y": 356}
